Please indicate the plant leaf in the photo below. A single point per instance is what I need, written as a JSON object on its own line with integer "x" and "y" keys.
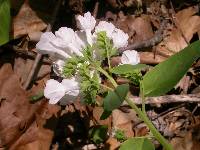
{"x": 115, "y": 98}
{"x": 4, "y": 21}
{"x": 98, "y": 133}
{"x": 137, "y": 144}
{"x": 127, "y": 68}
{"x": 163, "y": 77}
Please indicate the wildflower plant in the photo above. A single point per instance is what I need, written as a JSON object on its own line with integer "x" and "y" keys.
{"x": 82, "y": 59}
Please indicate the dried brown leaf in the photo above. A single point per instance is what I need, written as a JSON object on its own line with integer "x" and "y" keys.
{"x": 138, "y": 28}
{"x": 27, "y": 22}
{"x": 187, "y": 24}
{"x": 21, "y": 122}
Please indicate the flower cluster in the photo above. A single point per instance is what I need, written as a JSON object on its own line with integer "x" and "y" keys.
{"x": 72, "y": 52}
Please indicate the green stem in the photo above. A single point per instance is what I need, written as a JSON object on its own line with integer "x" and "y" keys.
{"x": 146, "y": 120}
{"x": 108, "y": 76}
{"x": 107, "y": 54}
{"x": 143, "y": 98}
{"x": 141, "y": 113}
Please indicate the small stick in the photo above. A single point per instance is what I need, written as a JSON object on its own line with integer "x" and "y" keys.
{"x": 39, "y": 56}
{"x": 29, "y": 54}
{"x": 96, "y": 8}
{"x": 190, "y": 98}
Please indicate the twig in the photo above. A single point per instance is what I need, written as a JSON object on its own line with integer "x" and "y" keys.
{"x": 39, "y": 56}
{"x": 190, "y": 98}
{"x": 96, "y": 8}
{"x": 167, "y": 111}
{"x": 158, "y": 37}
{"x": 21, "y": 51}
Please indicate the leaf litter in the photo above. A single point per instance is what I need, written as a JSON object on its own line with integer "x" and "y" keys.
{"x": 39, "y": 125}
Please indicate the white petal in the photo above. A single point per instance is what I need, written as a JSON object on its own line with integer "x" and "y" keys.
{"x": 105, "y": 26}
{"x": 71, "y": 86}
{"x": 72, "y": 91}
{"x": 74, "y": 50}
{"x": 54, "y": 91}
{"x": 86, "y": 22}
{"x": 66, "y": 39}
{"x": 47, "y": 37}
{"x": 130, "y": 57}
{"x": 59, "y": 43}
{"x": 67, "y": 35}
{"x": 47, "y": 48}
{"x": 80, "y": 39}
{"x": 44, "y": 46}
{"x": 89, "y": 37}
{"x": 120, "y": 39}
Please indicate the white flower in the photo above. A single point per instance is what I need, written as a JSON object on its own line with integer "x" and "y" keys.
{"x": 44, "y": 46}
{"x": 120, "y": 39}
{"x": 65, "y": 92}
{"x": 72, "y": 90}
{"x": 130, "y": 57}
{"x": 87, "y": 23}
{"x": 80, "y": 40}
{"x": 54, "y": 91}
{"x": 105, "y": 26}
{"x": 66, "y": 40}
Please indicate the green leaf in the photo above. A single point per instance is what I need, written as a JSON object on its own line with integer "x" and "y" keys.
{"x": 163, "y": 77}
{"x": 98, "y": 134}
{"x": 37, "y": 97}
{"x": 115, "y": 98}
{"x": 137, "y": 144}
{"x": 4, "y": 21}
{"x": 120, "y": 135}
{"x": 127, "y": 68}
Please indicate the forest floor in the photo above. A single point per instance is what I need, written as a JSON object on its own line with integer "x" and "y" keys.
{"x": 156, "y": 29}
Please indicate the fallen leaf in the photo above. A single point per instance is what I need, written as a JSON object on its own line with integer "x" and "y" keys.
{"x": 138, "y": 28}
{"x": 22, "y": 68}
{"x": 124, "y": 121}
{"x": 189, "y": 24}
{"x": 21, "y": 122}
{"x": 27, "y": 22}
{"x": 112, "y": 144}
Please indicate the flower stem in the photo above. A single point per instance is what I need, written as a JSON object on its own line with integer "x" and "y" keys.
{"x": 141, "y": 113}
{"x": 146, "y": 120}
{"x": 108, "y": 76}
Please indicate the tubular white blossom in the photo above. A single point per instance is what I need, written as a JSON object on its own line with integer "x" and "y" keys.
{"x": 54, "y": 91}
{"x": 80, "y": 39}
{"x": 105, "y": 26}
{"x": 65, "y": 92}
{"x": 130, "y": 57}
{"x": 44, "y": 46}
{"x": 86, "y": 22}
{"x": 120, "y": 39}
{"x": 66, "y": 40}
{"x": 72, "y": 90}
{"x": 66, "y": 34}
